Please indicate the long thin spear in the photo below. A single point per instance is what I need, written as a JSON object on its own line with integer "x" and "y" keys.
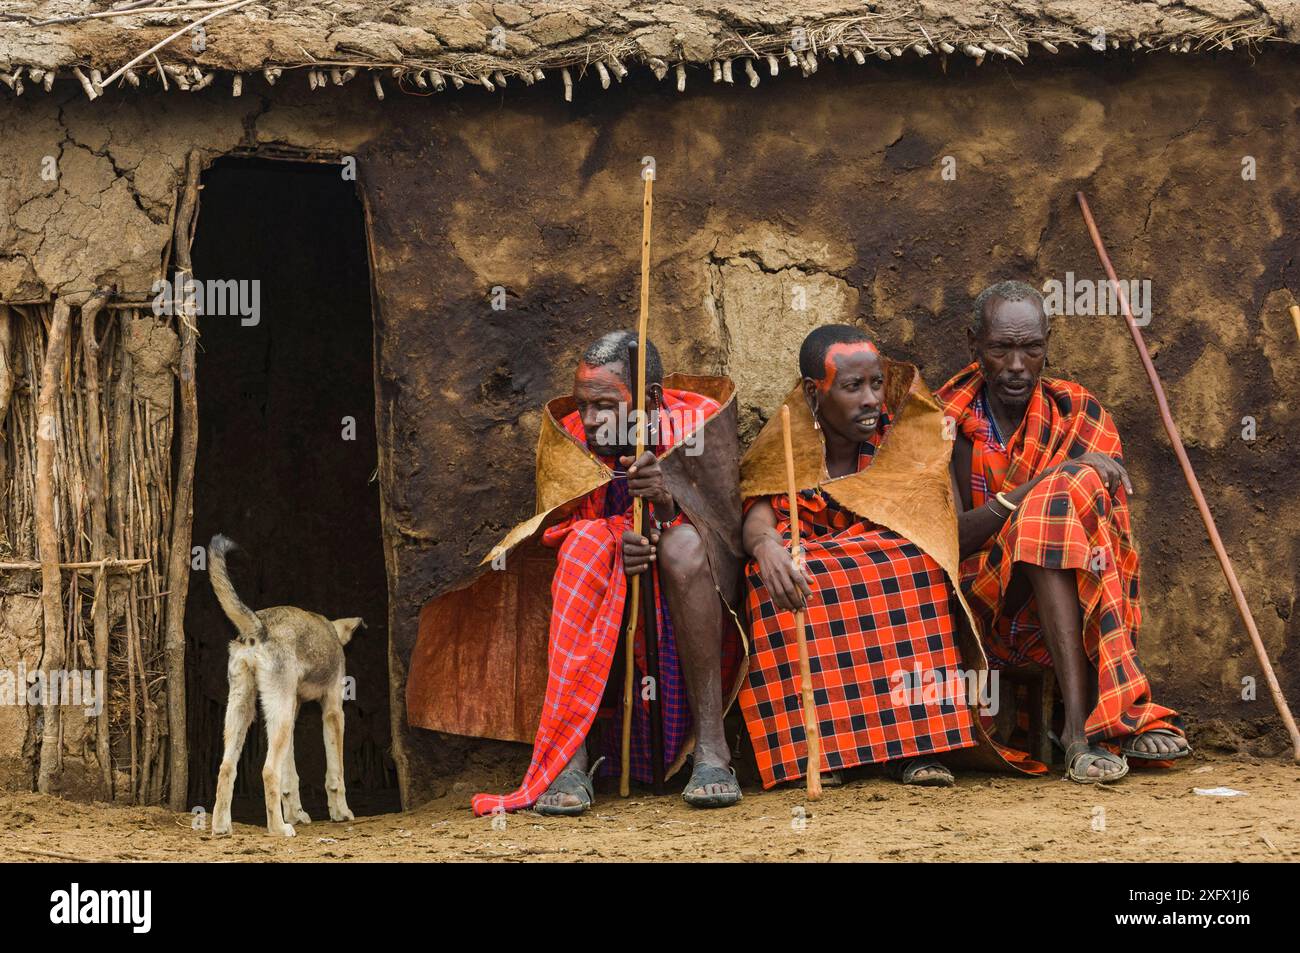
{"x": 813, "y": 773}
{"x": 1279, "y": 700}
{"x": 634, "y": 586}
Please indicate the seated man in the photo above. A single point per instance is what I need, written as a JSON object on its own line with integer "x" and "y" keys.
{"x": 879, "y": 608}
{"x": 597, "y": 552}
{"x": 1048, "y": 566}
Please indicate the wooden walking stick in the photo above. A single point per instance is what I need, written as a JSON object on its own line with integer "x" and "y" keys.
{"x": 813, "y": 772}
{"x": 1279, "y": 700}
{"x": 634, "y": 584}
{"x": 649, "y": 606}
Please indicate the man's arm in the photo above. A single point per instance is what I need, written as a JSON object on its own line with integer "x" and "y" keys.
{"x": 787, "y": 585}
{"x": 976, "y": 525}
{"x": 645, "y": 478}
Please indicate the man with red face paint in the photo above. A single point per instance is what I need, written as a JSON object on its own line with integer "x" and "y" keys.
{"x": 1049, "y": 567}
{"x": 597, "y": 551}
{"x": 878, "y": 608}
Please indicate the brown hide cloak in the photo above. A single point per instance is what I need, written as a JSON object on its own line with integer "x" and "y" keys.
{"x": 907, "y": 489}
{"x": 479, "y": 667}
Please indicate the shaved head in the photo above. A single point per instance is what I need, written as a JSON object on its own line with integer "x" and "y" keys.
{"x": 612, "y": 348}
{"x": 1008, "y": 291}
{"x": 813, "y": 351}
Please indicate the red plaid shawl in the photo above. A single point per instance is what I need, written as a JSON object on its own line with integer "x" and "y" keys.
{"x": 1068, "y": 521}
{"x": 882, "y": 613}
{"x": 588, "y": 592}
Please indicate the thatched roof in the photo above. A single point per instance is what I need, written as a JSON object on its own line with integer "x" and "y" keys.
{"x": 431, "y": 45}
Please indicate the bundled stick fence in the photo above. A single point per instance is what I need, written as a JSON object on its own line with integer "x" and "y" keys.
{"x": 108, "y": 420}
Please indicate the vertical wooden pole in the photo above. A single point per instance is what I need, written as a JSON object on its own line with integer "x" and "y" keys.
{"x": 6, "y": 391}
{"x": 1171, "y": 428}
{"x": 634, "y": 586}
{"x": 813, "y": 771}
{"x": 97, "y": 493}
{"x": 650, "y": 619}
{"x": 178, "y": 568}
{"x": 47, "y": 541}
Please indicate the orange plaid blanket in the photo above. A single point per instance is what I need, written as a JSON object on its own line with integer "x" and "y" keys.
{"x": 1068, "y": 521}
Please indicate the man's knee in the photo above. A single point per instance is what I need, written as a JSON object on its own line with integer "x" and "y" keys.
{"x": 681, "y": 551}
{"x": 1080, "y": 475}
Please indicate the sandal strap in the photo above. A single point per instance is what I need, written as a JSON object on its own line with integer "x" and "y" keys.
{"x": 1143, "y": 755}
{"x": 1082, "y": 749}
{"x": 703, "y": 775}
{"x": 906, "y": 770}
{"x": 915, "y": 766}
{"x": 575, "y": 782}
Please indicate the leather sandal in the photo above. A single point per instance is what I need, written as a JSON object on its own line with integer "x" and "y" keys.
{"x": 1154, "y": 755}
{"x": 575, "y": 782}
{"x": 705, "y": 774}
{"x": 1080, "y": 756}
{"x": 907, "y": 770}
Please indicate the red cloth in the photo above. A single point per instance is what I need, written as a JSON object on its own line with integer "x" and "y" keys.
{"x": 880, "y": 623}
{"x": 588, "y": 591}
{"x": 1068, "y": 521}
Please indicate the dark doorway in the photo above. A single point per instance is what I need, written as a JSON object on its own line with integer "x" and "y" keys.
{"x": 286, "y": 462}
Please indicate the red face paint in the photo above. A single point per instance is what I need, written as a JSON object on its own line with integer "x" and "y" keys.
{"x": 842, "y": 349}
{"x": 600, "y": 381}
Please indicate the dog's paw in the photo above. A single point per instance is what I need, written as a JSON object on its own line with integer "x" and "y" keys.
{"x": 343, "y": 815}
{"x": 286, "y": 831}
{"x": 220, "y": 826}
{"x": 302, "y": 817}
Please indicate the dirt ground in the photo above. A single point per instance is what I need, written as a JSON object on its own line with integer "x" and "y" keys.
{"x": 1151, "y": 815}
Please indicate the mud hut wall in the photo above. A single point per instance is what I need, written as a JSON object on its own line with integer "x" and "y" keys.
{"x": 802, "y": 202}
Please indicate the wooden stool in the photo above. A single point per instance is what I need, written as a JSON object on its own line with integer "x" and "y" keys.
{"x": 1040, "y": 687}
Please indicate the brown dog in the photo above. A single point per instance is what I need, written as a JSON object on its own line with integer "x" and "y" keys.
{"x": 287, "y": 656}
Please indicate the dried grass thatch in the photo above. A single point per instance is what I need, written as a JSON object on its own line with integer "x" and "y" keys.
{"x": 428, "y": 46}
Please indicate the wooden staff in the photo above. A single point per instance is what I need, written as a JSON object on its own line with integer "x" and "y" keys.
{"x": 1279, "y": 700}
{"x": 634, "y": 585}
{"x": 47, "y": 542}
{"x": 813, "y": 771}
{"x": 97, "y": 494}
{"x": 649, "y": 613}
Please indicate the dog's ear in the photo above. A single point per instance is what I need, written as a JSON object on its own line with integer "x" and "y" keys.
{"x": 344, "y": 628}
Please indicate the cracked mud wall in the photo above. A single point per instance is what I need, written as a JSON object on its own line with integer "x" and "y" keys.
{"x": 777, "y": 209}
{"x": 837, "y": 188}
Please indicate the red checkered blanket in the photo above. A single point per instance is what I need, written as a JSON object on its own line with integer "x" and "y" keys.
{"x": 588, "y": 591}
{"x": 1068, "y": 521}
{"x": 881, "y": 643}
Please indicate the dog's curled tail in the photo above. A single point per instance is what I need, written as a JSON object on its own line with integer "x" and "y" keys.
{"x": 246, "y": 621}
